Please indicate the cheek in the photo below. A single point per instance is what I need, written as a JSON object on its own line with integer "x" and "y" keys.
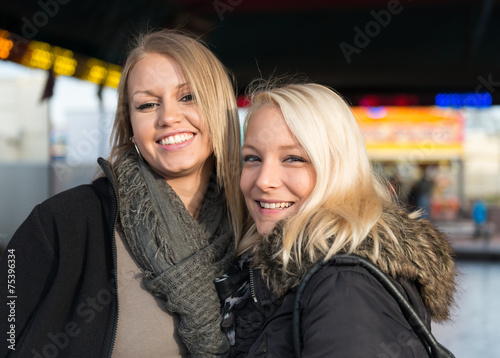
{"x": 133, "y": 122}
{"x": 248, "y": 179}
{"x": 303, "y": 184}
{"x": 245, "y": 182}
{"x": 207, "y": 145}
{"x": 201, "y": 125}
{"x": 194, "y": 118}
{"x": 137, "y": 125}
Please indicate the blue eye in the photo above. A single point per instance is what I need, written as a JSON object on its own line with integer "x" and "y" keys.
{"x": 250, "y": 159}
{"x": 294, "y": 158}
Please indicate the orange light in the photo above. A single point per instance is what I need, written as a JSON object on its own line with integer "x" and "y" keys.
{"x": 5, "y": 47}
{"x": 5, "y": 44}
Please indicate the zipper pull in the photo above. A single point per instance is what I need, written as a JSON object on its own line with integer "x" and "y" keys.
{"x": 252, "y": 290}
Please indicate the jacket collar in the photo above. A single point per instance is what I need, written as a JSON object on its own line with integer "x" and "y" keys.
{"x": 422, "y": 254}
{"x": 105, "y": 187}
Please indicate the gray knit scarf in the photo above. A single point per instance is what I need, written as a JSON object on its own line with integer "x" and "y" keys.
{"x": 179, "y": 255}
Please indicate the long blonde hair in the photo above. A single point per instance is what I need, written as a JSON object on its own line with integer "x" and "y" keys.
{"x": 215, "y": 96}
{"x": 348, "y": 199}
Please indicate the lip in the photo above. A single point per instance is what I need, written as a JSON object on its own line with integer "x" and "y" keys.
{"x": 273, "y": 201}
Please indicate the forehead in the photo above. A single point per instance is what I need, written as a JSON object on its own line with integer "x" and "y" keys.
{"x": 268, "y": 127}
{"x": 156, "y": 70}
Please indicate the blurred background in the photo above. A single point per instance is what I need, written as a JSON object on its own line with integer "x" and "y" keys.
{"x": 423, "y": 78}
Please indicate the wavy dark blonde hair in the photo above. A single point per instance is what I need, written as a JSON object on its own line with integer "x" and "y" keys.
{"x": 349, "y": 199}
{"x": 214, "y": 95}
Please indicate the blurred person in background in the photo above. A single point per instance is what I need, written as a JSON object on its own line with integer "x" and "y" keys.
{"x": 480, "y": 216}
{"x": 124, "y": 267}
{"x": 422, "y": 190}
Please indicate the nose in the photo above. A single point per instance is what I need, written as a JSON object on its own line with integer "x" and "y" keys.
{"x": 169, "y": 114}
{"x": 269, "y": 176}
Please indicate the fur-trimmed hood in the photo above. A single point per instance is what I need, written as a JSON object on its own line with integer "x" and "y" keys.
{"x": 422, "y": 255}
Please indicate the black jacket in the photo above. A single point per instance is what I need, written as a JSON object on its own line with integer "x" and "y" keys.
{"x": 346, "y": 312}
{"x": 63, "y": 263}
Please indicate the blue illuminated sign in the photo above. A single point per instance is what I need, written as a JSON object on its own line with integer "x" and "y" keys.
{"x": 457, "y": 100}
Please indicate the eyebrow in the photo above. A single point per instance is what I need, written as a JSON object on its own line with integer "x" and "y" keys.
{"x": 283, "y": 147}
{"x": 180, "y": 86}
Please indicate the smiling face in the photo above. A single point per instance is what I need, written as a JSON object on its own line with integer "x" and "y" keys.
{"x": 277, "y": 175}
{"x": 167, "y": 126}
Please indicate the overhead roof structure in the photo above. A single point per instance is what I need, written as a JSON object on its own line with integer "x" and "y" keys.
{"x": 358, "y": 46}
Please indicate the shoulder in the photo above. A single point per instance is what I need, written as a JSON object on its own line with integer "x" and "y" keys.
{"x": 366, "y": 317}
{"x": 84, "y": 197}
{"x": 67, "y": 220}
{"x": 79, "y": 199}
{"x": 353, "y": 292}
{"x": 422, "y": 254}
{"x": 352, "y": 282}
{"x": 341, "y": 281}
{"x": 78, "y": 204}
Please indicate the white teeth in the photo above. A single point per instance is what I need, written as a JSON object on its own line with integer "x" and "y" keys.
{"x": 282, "y": 205}
{"x": 177, "y": 139}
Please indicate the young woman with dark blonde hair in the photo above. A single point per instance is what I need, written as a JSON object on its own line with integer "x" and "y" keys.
{"x": 311, "y": 191}
{"x": 124, "y": 267}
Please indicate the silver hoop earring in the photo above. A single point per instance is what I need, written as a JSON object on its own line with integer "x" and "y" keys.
{"x": 136, "y": 148}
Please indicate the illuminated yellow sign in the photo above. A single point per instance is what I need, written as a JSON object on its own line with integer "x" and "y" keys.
{"x": 95, "y": 71}
{"x": 38, "y": 56}
{"x": 62, "y": 61}
{"x": 113, "y": 77}
{"x": 420, "y": 132}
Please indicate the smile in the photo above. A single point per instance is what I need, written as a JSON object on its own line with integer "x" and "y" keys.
{"x": 282, "y": 205}
{"x": 176, "y": 139}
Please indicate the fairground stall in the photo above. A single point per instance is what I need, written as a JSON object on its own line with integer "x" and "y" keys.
{"x": 419, "y": 150}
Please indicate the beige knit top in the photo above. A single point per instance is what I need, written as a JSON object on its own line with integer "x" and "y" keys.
{"x": 145, "y": 328}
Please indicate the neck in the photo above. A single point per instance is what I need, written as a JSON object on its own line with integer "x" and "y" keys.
{"x": 191, "y": 189}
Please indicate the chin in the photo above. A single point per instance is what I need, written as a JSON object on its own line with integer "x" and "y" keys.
{"x": 265, "y": 229}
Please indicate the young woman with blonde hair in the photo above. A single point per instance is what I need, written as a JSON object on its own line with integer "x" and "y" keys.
{"x": 311, "y": 191}
{"x": 124, "y": 267}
